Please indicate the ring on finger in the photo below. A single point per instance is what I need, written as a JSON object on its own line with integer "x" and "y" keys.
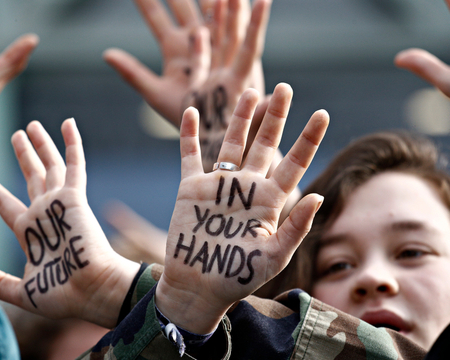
{"x": 223, "y": 165}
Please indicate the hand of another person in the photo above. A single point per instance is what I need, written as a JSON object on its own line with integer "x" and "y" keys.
{"x": 71, "y": 270}
{"x": 224, "y": 241}
{"x": 14, "y": 59}
{"x": 206, "y": 64}
{"x": 427, "y": 66}
{"x": 137, "y": 239}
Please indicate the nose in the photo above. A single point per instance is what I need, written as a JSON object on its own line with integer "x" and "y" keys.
{"x": 375, "y": 280}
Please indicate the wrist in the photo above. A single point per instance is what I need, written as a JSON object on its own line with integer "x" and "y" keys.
{"x": 108, "y": 300}
{"x": 187, "y": 309}
{"x": 181, "y": 338}
{"x": 127, "y": 303}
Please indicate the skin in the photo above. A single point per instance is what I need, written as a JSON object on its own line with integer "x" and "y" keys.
{"x": 198, "y": 57}
{"x": 137, "y": 239}
{"x": 14, "y": 59}
{"x": 426, "y": 66}
{"x": 386, "y": 258}
{"x": 94, "y": 292}
{"x": 197, "y": 300}
{"x": 221, "y": 43}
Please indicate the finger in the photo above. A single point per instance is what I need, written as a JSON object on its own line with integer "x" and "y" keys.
{"x": 125, "y": 220}
{"x": 259, "y": 116}
{"x": 185, "y": 12}
{"x": 291, "y": 169}
{"x": 156, "y": 17}
{"x": 9, "y": 289}
{"x": 200, "y": 48}
{"x": 269, "y": 134}
{"x": 233, "y": 145}
{"x": 293, "y": 230}
{"x": 206, "y": 6}
{"x": 32, "y": 168}
{"x": 426, "y": 66}
{"x": 49, "y": 155}
{"x": 236, "y": 24}
{"x": 253, "y": 45}
{"x": 141, "y": 78}
{"x": 75, "y": 162}
{"x": 207, "y": 9}
{"x": 191, "y": 162}
{"x": 140, "y": 234}
{"x": 10, "y": 207}
{"x": 217, "y": 32}
{"x": 15, "y": 58}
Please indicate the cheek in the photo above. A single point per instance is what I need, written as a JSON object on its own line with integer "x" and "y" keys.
{"x": 334, "y": 294}
{"x": 428, "y": 283}
{"x": 428, "y": 294}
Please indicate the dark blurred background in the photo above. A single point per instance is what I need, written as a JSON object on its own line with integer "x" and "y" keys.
{"x": 336, "y": 54}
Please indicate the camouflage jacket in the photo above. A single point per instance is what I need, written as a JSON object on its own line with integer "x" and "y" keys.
{"x": 293, "y": 326}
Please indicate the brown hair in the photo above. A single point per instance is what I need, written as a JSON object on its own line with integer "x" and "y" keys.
{"x": 353, "y": 166}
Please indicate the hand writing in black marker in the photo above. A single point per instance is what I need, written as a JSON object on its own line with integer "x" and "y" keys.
{"x": 224, "y": 241}
{"x": 208, "y": 62}
{"x": 71, "y": 270}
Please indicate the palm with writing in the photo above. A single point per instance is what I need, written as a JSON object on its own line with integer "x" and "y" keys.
{"x": 427, "y": 66}
{"x": 71, "y": 270}
{"x": 205, "y": 64}
{"x": 223, "y": 240}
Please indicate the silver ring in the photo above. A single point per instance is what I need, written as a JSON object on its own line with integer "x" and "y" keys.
{"x": 225, "y": 166}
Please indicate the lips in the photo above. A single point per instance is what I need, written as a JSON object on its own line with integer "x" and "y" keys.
{"x": 386, "y": 319}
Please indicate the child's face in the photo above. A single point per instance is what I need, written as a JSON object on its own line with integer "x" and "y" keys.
{"x": 386, "y": 258}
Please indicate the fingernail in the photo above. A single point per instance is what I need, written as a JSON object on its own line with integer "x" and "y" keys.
{"x": 319, "y": 204}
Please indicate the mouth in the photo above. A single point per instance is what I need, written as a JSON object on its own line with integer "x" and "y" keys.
{"x": 386, "y": 319}
{"x": 387, "y": 326}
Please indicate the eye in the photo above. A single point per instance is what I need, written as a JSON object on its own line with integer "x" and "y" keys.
{"x": 337, "y": 267}
{"x": 411, "y": 254}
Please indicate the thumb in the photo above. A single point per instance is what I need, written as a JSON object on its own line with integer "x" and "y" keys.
{"x": 134, "y": 73}
{"x": 298, "y": 224}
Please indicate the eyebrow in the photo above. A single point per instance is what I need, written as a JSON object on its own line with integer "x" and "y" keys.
{"x": 398, "y": 226}
{"x": 408, "y": 225}
{"x": 331, "y": 240}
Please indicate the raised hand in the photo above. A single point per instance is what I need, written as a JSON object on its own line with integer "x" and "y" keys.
{"x": 205, "y": 64}
{"x": 224, "y": 241}
{"x": 14, "y": 59}
{"x": 427, "y": 66}
{"x": 71, "y": 270}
